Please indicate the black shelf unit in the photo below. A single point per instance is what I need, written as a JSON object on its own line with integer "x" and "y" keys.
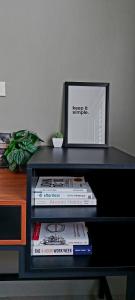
{"x": 111, "y": 223}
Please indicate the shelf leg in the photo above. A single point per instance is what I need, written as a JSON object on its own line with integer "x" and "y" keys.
{"x": 101, "y": 292}
{"x": 104, "y": 289}
{"x": 130, "y": 292}
{"x": 21, "y": 261}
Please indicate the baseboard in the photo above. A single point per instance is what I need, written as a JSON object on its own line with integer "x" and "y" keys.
{"x": 44, "y": 288}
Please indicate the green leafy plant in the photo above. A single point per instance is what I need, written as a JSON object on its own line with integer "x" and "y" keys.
{"x": 58, "y": 134}
{"x": 23, "y": 144}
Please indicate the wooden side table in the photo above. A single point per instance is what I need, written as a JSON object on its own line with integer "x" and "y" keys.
{"x": 12, "y": 208}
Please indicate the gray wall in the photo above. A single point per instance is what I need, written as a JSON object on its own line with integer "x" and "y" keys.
{"x": 46, "y": 42}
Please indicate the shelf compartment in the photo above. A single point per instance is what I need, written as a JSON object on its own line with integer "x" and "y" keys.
{"x": 114, "y": 192}
{"x": 112, "y": 248}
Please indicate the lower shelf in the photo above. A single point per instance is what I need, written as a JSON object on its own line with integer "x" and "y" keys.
{"x": 61, "y": 262}
{"x": 72, "y": 267}
{"x": 113, "y": 249}
{"x": 76, "y": 262}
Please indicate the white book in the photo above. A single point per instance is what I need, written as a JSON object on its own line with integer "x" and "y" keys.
{"x": 62, "y": 195}
{"x": 83, "y": 188}
{"x": 52, "y": 250}
{"x": 60, "y": 234}
{"x": 65, "y": 202}
{"x": 61, "y": 183}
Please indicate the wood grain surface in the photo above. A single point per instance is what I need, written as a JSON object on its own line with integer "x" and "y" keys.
{"x": 12, "y": 185}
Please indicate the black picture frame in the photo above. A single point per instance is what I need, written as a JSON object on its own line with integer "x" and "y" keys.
{"x": 73, "y": 111}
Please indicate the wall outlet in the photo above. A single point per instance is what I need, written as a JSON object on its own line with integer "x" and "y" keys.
{"x": 2, "y": 89}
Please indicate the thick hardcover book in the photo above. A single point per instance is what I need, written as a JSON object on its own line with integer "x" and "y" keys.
{"x": 61, "y": 184}
{"x": 60, "y": 234}
{"x": 65, "y": 202}
{"x": 61, "y": 250}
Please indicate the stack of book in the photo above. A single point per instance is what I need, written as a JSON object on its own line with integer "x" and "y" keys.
{"x": 4, "y": 141}
{"x": 60, "y": 239}
{"x": 66, "y": 191}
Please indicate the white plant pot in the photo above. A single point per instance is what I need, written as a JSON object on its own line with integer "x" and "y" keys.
{"x": 57, "y": 142}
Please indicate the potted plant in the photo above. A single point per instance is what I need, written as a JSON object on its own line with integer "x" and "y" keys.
{"x": 57, "y": 139}
{"x": 23, "y": 144}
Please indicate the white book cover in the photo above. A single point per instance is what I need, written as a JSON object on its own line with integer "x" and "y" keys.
{"x": 60, "y": 234}
{"x": 60, "y": 183}
{"x": 65, "y": 202}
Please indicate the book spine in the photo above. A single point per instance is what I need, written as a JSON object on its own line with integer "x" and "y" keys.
{"x": 60, "y": 190}
{"x": 65, "y": 202}
{"x": 61, "y": 250}
{"x": 82, "y": 249}
{"x": 63, "y": 195}
{"x": 36, "y": 231}
{"x": 65, "y": 179}
{"x": 3, "y": 146}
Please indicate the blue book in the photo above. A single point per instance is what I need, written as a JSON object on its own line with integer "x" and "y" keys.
{"x": 82, "y": 249}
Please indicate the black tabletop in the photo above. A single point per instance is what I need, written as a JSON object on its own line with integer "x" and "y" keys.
{"x": 81, "y": 158}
